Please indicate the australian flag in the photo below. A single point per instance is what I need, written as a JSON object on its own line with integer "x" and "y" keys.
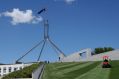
{"x": 44, "y": 9}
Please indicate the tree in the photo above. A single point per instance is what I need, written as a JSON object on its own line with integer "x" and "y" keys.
{"x": 102, "y": 50}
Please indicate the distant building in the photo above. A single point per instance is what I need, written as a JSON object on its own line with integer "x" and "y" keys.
{"x": 8, "y": 68}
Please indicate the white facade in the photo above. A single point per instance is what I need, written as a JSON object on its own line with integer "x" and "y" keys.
{"x": 77, "y": 56}
{"x": 113, "y": 55}
{"x": 5, "y": 69}
{"x": 85, "y": 55}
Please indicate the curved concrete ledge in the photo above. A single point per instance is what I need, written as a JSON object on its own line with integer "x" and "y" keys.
{"x": 37, "y": 74}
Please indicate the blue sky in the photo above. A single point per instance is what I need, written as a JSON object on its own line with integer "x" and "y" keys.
{"x": 73, "y": 26}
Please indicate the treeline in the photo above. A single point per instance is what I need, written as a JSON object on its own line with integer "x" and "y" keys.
{"x": 102, "y": 50}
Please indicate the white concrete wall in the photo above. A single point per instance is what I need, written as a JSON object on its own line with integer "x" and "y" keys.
{"x": 22, "y": 78}
{"x": 113, "y": 55}
{"x": 37, "y": 74}
{"x": 76, "y": 56}
{"x": 71, "y": 58}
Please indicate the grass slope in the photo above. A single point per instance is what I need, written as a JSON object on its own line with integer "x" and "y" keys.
{"x": 84, "y": 70}
{"x": 114, "y": 73}
{"x": 96, "y": 73}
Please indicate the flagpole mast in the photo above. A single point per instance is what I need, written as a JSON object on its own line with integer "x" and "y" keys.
{"x": 46, "y": 29}
{"x": 44, "y": 41}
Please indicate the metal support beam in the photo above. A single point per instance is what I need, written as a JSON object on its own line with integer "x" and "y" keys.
{"x": 29, "y": 51}
{"x": 41, "y": 50}
{"x": 46, "y": 38}
{"x": 56, "y": 47}
{"x": 55, "y": 50}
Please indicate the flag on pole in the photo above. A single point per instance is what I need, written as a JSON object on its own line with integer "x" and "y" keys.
{"x": 44, "y": 9}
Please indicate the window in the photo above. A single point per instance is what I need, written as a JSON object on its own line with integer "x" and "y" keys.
{"x": 80, "y": 54}
{"x": 15, "y": 69}
{"x": 10, "y": 69}
{"x": 83, "y": 54}
{"x": 20, "y": 68}
{"x": 0, "y": 70}
{"x": 4, "y": 70}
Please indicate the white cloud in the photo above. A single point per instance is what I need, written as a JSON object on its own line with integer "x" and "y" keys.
{"x": 19, "y": 16}
{"x": 37, "y": 20}
{"x": 69, "y": 1}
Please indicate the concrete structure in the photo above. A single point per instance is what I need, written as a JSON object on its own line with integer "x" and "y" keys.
{"x": 37, "y": 74}
{"x": 8, "y": 68}
{"x": 85, "y": 55}
{"x": 113, "y": 55}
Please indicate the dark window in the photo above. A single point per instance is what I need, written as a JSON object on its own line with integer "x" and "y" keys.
{"x": 15, "y": 69}
{"x": 10, "y": 69}
{"x": 4, "y": 70}
{"x": 0, "y": 70}
{"x": 83, "y": 54}
{"x": 20, "y": 68}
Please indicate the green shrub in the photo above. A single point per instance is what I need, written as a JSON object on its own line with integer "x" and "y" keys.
{"x": 102, "y": 50}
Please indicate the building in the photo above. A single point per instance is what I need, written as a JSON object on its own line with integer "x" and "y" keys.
{"x": 85, "y": 55}
{"x": 113, "y": 55}
{"x": 8, "y": 68}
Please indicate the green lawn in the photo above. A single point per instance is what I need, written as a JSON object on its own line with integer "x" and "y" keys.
{"x": 114, "y": 72}
{"x": 83, "y": 70}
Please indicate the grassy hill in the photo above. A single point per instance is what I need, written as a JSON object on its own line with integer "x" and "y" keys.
{"x": 82, "y": 70}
